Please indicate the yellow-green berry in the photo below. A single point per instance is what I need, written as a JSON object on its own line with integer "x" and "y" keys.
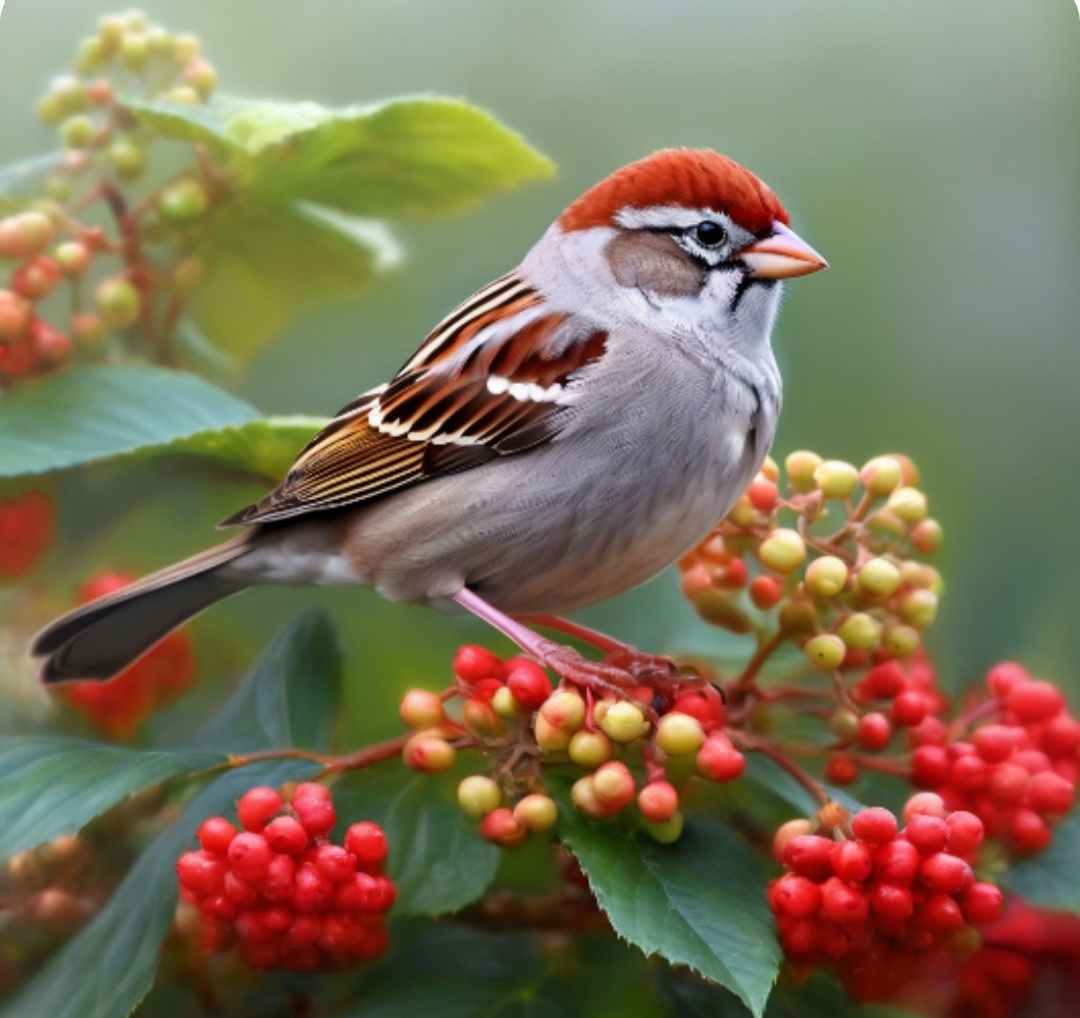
{"x": 927, "y": 536}
{"x": 900, "y": 640}
{"x": 666, "y": 832}
{"x": 782, "y": 551}
{"x": 624, "y": 722}
{"x": 127, "y": 158}
{"x": 860, "y": 631}
{"x": 836, "y": 478}
{"x": 918, "y": 608}
{"x": 77, "y": 132}
{"x": 878, "y": 577}
{"x": 909, "y": 504}
{"x": 134, "y": 50}
{"x": 881, "y": 476}
{"x": 826, "y": 576}
{"x": 478, "y": 795}
{"x": 678, "y": 734}
{"x": 590, "y": 749}
{"x": 536, "y": 812}
{"x": 800, "y": 467}
{"x": 184, "y": 202}
{"x": 825, "y": 652}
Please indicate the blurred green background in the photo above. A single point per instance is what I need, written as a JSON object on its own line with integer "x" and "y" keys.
{"x": 929, "y": 150}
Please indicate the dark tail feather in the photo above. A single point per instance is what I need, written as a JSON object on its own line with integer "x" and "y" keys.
{"x": 102, "y": 638}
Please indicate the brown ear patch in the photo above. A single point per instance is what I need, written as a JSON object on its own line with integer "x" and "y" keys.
{"x": 653, "y": 262}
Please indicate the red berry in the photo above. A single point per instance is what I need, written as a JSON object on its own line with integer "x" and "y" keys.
{"x": 928, "y": 834}
{"x": 981, "y": 903}
{"x": 249, "y": 856}
{"x": 1034, "y": 701}
{"x": 994, "y": 743}
{"x": 883, "y": 681}
{"x": 335, "y": 863}
{"x": 368, "y": 843}
{"x": 256, "y": 806}
{"x": 202, "y": 873}
{"x": 810, "y": 855}
{"x": 528, "y": 684}
{"x": 892, "y": 902}
{"x": 1008, "y": 784}
{"x": 765, "y": 592}
{"x": 875, "y": 825}
{"x": 965, "y": 833}
{"x": 706, "y": 704}
{"x": 37, "y": 278}
{"x": 1050, "y": 793}
{"x": 1027, "y": 831}
{"x": 969, "y": 774}
{"x": 852, "y": 861}
{"x": 313, "y": 891}
{"x": 658, "y": 801}
{"x": 50, "y": 345}
{"x": 843, "y": 904}
{"x": 26, "y": 530}
{"x": 280, "y": 880}
{"x": 930, "y": 767}
{"x": 216, "y": 834}
{"x": 896, "y": 863}
{"x": 945, "y": 874}
{"x": 287, "y": 835}
{"x": 313, "y": 808}
{"x": 240, "y": 892}
{"x": 1002, "y": 677}
{"x": 787, "y": 831}
{"x": 472, "y": 663}
{"x": 794, "y": 896}
{"x": 909, "y": 708}
{"x": 501, "y": 828}
{"x": 1061, "y": 735}
{"x": 719, "y": 760}
{"x": 305, "y": 929}
{"x": 841, "y": 769}
{"x": 940, "y": 913}
{"x": 763, "y": 494}
{"x": 874, "y": 731}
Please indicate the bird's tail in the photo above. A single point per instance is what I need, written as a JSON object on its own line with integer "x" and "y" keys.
{"x": 103, "y": 637}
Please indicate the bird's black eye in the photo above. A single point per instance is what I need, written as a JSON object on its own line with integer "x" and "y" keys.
{"x": 709, "y": 234}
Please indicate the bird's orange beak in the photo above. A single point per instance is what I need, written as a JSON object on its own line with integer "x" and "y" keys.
{"x": 781, "y": 256}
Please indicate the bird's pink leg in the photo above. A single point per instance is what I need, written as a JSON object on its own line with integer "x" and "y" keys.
{"x": 593, "y": 637}
{"x": 622, "y": 669}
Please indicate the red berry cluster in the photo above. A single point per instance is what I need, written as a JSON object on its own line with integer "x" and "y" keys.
{"x": 26, "y": 531}
{"x": 1024, "y": 946}
{"x": 633, "y": 752}
{"x": 841, "y": 591}
{"x": 282, "y": 891}
{"x": 119, "y": 706}
{"x": 871, "y": 903}
{"x": 1017, "y": 771}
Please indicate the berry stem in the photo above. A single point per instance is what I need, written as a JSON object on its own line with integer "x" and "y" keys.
{"x": 755, "y": 744}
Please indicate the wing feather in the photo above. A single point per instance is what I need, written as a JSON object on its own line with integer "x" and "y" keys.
{"x": 486, "y": 382}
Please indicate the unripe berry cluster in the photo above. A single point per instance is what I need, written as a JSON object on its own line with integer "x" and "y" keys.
{"x": 1016, "y": 770}
{"x": 872, "y": 901}
{"x": 838, "y": 576}
{"x": 282, "y": 891}
{"x": 26, "y": 531}
{"x": 105, "y": 149}
{"x": 636, "y": 749}
{"x": 119, "y": 706}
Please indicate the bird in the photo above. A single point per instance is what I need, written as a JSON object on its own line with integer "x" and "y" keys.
{"x": 565, "y": 434}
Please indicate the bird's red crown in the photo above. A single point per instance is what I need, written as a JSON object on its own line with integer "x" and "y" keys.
{"x": 693, "y": 178}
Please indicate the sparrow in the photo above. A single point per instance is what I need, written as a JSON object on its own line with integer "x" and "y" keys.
{"x": 563, "y": 435}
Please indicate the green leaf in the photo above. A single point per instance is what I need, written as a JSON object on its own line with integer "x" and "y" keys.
{"x": 53, "y": 786}
{"x": 92, "y": 413}
{"x": 265, "y": 447}
{"x": 406, "y": 157}
{"x": 266, "y": 262}
{"x": 294, "y": 697}
{"x": 106, "y": 969}
{"x": 699, "y": 902}
{"x": 770, "y": 777}
{"x": 1048, "y": 879}
{"x": 437, "y": 859}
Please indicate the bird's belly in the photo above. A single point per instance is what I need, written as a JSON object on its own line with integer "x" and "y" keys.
{"x": 533, "y": 547}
